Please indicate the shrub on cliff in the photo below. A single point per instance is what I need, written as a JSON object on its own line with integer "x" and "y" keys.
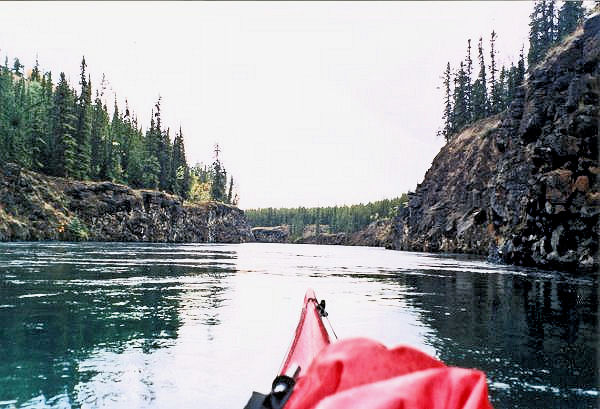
{"x": 76, "y": 231}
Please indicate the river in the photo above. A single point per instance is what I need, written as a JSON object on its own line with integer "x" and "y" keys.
{"x": 114, "y": 325}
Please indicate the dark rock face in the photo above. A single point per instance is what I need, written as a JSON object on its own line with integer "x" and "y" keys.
{"x": 338, "y": 239}
{"x": 449, "y": 210}
{"x": 523, "y": 187}
{"x": 277, "y": 234}
{"x": 377, "y": 234}
{"x": 37, "y": 207}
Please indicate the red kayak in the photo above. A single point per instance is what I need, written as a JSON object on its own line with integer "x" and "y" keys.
{"x": 360, "y": 373}
{"x": 310, "y": 337}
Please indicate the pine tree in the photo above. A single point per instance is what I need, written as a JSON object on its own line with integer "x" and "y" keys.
{"x": 111, "y": 169}
{"x": 47, "y": 152}
{"x": 18, "y": 129}
{"x": 39, "y": 130}
{"x": 6, "y": 87}
{"x": 136, "y": 154}
{"x": 469, "y": 82}
{"x": 65, "y": 157}
{"x": 180, "y": 176}
{"x": 550, "y": 24}
{"x": 479, "y": 94}
{"x": 503, "y": 89}
{"x": 495, "y": 88}
{"x": 230, "y": 193}
{"x": 447, "y": 116}
{"x": 128, "y": 134}
{"x": 219, "y": 179}
{"x": 17, "y": 67}
{"x": 84, "y": 125}
{"x": 511, "y": 84}
{"x": 459, "y": 114}
{"x": 98, "y": 137}
{"x": 161, "y": 145}
{"x": 150, "y": 164}
{"x": 164, "y": 159}
{"x": 521, "y": 67}
{"x": 569, "y": 16}
{"x": 35, "y": 72}
{"x": 542, "y": 30}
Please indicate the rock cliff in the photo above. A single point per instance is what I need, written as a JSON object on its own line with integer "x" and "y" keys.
{"x": 276, "y": 234}
{"x": 376, "y": 234}
{"x": 38, "y": 207}
{"x": 524, "y": 186}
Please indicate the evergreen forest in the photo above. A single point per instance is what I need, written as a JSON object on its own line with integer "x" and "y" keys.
{"x": 53, "y": 128}
{"x": 470, "y": 96}
{"x": 333, "y": 219}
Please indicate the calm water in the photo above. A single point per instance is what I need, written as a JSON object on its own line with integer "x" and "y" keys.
{"x": 163, "y": 326}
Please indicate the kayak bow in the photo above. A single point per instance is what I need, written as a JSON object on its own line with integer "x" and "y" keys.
{"x": 310, "y": 338}
{"x": 359, "y": 373}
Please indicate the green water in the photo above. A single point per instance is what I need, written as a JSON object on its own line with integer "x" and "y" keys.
{"x": 112, "y": 325}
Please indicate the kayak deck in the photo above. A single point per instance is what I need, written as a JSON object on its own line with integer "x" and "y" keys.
{"x": 310, "y": 338}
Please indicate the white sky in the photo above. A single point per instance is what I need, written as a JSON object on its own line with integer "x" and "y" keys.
{"x": 312, "y": 103}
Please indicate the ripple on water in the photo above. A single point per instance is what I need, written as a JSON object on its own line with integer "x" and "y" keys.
{"x": 145, "y": 324}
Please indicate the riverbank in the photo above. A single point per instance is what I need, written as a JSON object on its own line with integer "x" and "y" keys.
{"x": 38, "y": 207}
{"x": 377, "y": 234}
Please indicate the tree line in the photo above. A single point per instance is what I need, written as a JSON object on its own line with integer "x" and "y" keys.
{"x": 468, "y": 99}
{"x": 60, "y": 131}
{"x": 337, "y": 219}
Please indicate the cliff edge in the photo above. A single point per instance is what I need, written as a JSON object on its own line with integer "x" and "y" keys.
{"x": 39, "y": 207}
{"x": 523, "y": 186}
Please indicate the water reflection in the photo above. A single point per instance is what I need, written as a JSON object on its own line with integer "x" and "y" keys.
{"x": 69, "y": 311}
{"x": 152, "y": 325}
{"x": 536, "y": 337}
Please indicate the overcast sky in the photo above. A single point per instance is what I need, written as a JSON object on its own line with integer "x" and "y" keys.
{"x": 312, "y": 103}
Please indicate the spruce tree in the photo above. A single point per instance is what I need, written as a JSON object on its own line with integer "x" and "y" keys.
{"x": 112, "y": 152}
{"x": 17, "y": 67}
{"x": 35, "y": 72}
{"x": 84, "y": 125}
{"x": 135, "y": 170}
{"x": 542, "y": 30}
{"x": 38, "y": 131}
{"x": 161, "y": 145}
{"x": 502, "y": 89}
{"x": 469, "y": 82}
{"x": 98, "y": 137}
{"x": 495, "y": 88}
{"x": 447, "y": 116}
{"x": 521, "y": 67}
{"x": 180, "y": 177}
{"x": 219, "y": 179}
{"x": 64, "y": 161}
{"x": 230, "y": 193}
{"x": 47, "y": 153}
{"x": 150, "y": 164}
{"x": 511, "y": 84}
{"x": 164, "y": 158}
{"x": 569, "y": 16}
{"x": 479, "y": 93}
{"x": 127, "y": 135}
{"x": 18, "y": 129}
{"x": 459, "y": 113}
{"x": 6, "y": 87}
